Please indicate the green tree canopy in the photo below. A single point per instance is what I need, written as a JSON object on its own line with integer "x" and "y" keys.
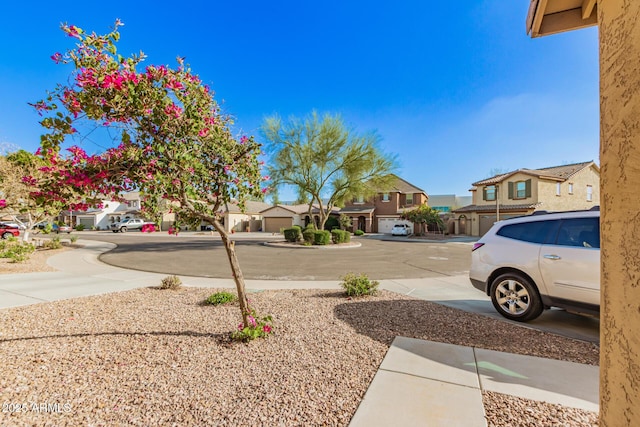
{"x": 324, "y": 159}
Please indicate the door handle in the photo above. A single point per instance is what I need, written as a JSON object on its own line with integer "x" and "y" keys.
{"x": 554, "y": 257}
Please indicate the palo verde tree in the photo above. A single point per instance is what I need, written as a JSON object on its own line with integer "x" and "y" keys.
{"x": 423, "y": 215}
{"x": 321, "y": 157}
{"x": 174, "y": 144}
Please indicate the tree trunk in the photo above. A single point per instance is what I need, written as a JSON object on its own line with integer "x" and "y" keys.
{"x": 238, "y": 278}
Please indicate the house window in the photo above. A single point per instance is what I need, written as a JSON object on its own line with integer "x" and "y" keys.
{"x": 409, "y": 199}
{"x": 359, "y": 199}
{"x": 490, "y": 192}
{"x": 589, "y": 193}
{"x": 557, "y": 189}
{"x": 571, "y": 188}
{"x": 521, "y": 190}
{"x": 385, "y": 197}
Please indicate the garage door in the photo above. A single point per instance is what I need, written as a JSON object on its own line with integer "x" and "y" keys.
{"x": 87, "y": 222}
{"x": 386, "y": 224}
{"x": 274, "y": 224}
{"x": 486, "y": 221}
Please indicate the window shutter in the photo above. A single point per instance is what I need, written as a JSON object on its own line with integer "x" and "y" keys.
{"x": 527, "y": 188}
{"x": 484, "y": 193}
{"x": 510, "y": 190}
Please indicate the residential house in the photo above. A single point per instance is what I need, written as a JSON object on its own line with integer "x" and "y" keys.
{"x": 524, "y": 191}
{"x": 378, "y": 214}
{"x": 112, "y": 211}
{"x": 278, "y": 217}
{"x": 446, "y": 203}
{"x": 234, "y": 219}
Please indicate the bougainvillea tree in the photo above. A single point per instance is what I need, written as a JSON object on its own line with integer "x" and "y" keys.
{"x": 173, "y": 143}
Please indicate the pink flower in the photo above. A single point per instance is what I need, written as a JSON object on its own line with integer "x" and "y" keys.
{"x": 56, "y": 57}
{"x": 267, "y": 329}
{"x": 252, "y": 321}
{"x": 240, "y": 326}
{"x": 3, "y": 203}
{"x": 73, "y": 31}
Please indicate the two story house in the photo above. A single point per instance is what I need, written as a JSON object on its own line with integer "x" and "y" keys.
{"x": 378, "y": 214}
{"x": 524, "y": 191}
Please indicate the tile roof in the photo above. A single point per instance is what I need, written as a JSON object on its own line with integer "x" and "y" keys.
{"x": 492, "y": 208}
{"x": 558, "y": 173}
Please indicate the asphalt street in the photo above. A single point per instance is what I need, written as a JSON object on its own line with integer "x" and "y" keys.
{"x": 200, "y": 254}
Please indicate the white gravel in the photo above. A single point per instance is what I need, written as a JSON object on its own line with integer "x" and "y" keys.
{"x": 151, "y": 357}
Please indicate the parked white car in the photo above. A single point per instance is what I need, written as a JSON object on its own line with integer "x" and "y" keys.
{"x": 531, "y": 263}
{"x": 400, "y": 230}
{"x": 129, "y": 224}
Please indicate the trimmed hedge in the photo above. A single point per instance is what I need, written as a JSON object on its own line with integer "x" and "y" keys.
{"x": 340, "y": 236}
{"x": 321, "y": 237}
{"x": 359, "y": 233}
{"x": 292, "y": 234}
{"x": 308, "y": 235}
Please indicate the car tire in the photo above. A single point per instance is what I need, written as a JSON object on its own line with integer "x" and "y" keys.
{"x": 115, "y": 231}
{"x": 123, "y": 229}
{"x": 6, "y": 235}
{"x": 516, "y": 297}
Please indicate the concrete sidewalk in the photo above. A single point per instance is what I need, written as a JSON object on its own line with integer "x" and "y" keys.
{"x": 418, "y": 383}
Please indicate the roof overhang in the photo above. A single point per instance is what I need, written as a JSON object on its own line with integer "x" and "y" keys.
{"x": 547, "y": 17}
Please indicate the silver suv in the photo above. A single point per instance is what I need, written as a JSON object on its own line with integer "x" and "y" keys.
{"x": 544, "y": 260}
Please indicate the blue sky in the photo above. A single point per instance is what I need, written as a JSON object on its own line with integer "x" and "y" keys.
{"x": 455, "y": 89}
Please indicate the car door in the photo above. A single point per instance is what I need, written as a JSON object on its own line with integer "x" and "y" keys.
{"x": 570, "y": 264}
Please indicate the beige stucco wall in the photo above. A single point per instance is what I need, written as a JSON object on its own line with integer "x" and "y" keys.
{"x": 619, "y": 22}
{"x": 566, "y": 201}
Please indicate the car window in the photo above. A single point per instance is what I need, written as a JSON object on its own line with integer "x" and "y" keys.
{"x": 533, "y": 232}
{"x": 582, "y": 232}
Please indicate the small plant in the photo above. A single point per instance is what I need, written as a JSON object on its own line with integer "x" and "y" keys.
{"x": 359, "y": 233}
{"x": 53, "y": 243}
{"x": 258, "y": 327}
{"x": 358, "y": 285}
{"x": 170, "y": 282}
{"x": 73, "y": 239}
{"x": 80, "y": 227}
{"x": 222, "y": 297}
{"x": 16, "y": 251}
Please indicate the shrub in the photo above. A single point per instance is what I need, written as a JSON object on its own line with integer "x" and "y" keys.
{"x": 222, "y": 297}
{"x": 308, "y": 235}
{"x": 340, "y": 236}
{"x": 73, "y": 239}
{"x": 357, "y": 285}
{"x": 331, "y": 223}
{"x": 258, "y": 327}
{"x": 15, "y": 250}
{"x": 359, "y": 233}
{"x": 292, "y": 234}
{"x": 53, "y": 243}
{"x": 170, "y": 282}
{"x": 79, "y": 227}
{"x": 321, "y": 237}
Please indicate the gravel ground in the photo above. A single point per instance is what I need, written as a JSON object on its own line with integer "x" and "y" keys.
{"x": 161, "y": 357}
{"x": 37, "y": 263}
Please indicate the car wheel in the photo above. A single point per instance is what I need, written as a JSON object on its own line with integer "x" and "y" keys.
{"x": 516, "y": 298}
{"x": 115, "y": 231}
{"x": 6, "y": 235}
{"x": 123, "y": 229}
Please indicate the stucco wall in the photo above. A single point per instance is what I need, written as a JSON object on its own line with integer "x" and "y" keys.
{"x": 619, "y": 22}
{"x": 566, "y": 201}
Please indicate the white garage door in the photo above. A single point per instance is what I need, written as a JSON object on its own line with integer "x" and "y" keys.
{"x": 386, "y": 224}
